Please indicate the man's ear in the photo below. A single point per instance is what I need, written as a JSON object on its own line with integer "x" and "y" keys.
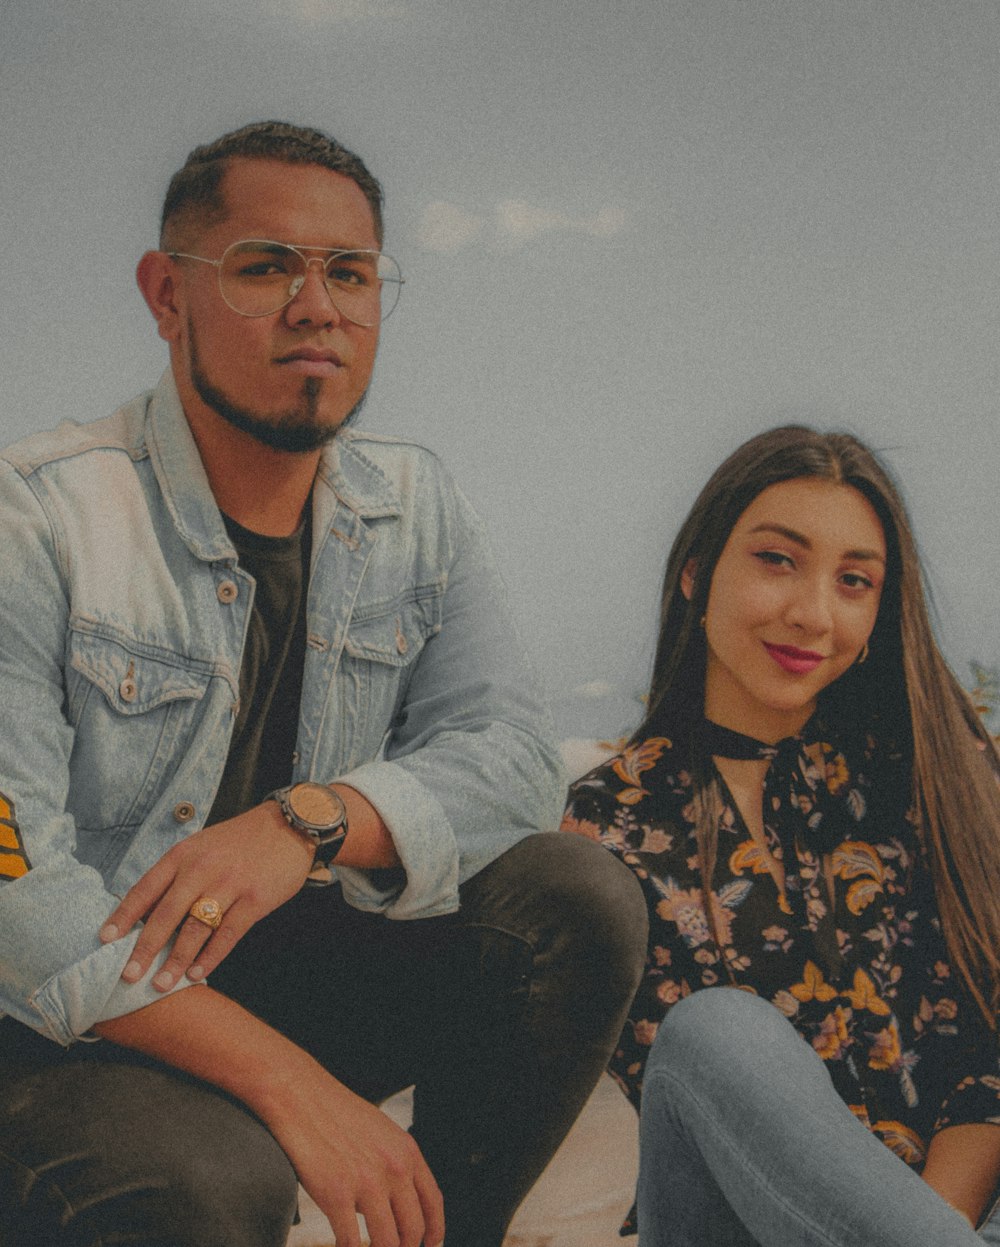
{"x": 155, "y": 276}
{"x": 687, "y": 578}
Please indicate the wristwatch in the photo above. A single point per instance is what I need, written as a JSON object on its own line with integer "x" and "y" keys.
{"x": 318, "y": 813}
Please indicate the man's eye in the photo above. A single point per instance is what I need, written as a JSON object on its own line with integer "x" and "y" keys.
{"x": 349, "y": 275}
{"x": 263, "y": 268}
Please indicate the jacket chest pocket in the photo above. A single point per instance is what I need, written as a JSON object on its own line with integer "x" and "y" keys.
{"x": 133, "y": 712}
{"x": 383, "y": 643}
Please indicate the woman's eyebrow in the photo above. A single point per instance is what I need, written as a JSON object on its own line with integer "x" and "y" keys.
{"x": 869, "y": 556}
{"x": 782, "y": 531}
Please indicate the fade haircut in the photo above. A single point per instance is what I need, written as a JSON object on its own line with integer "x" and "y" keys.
{"x": 194, "y": 198}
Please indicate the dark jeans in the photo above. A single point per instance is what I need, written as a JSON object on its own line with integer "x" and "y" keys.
{"x": 502, "y": 1017}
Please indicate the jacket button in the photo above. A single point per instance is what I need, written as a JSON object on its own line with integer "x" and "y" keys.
{"x": 183, "y": 812}
{"x": 401, "y": 642}
{"x": 127, "y": 690}
{"x": 227, "y": 592}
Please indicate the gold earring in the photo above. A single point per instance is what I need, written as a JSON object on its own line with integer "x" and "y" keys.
{"x": 863, "y": 656}
{"x": 702, "y": 620}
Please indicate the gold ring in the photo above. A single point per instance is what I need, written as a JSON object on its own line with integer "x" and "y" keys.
{"x": 207, "y": 911}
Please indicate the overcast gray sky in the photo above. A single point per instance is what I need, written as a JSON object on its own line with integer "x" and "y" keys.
{"x": 633, "y": 235}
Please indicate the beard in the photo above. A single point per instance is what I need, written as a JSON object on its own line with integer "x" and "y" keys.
{"x": 297, "y": 430}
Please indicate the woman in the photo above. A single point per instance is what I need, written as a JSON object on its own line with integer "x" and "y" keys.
{"x": 808, "y": 752}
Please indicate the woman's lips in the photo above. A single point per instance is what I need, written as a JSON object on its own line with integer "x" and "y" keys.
{"x": 794, "y": 660}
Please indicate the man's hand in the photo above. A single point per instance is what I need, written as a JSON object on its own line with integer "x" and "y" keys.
{"x": 347, "y": 1153}
{"x": 351, "y": 1157}
{"x": 250, "y": 864}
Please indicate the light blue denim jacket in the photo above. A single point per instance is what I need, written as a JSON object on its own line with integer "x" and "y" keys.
{"x": 123, "y": 615}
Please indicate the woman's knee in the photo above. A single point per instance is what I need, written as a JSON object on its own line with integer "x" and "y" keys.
{"x": 712, "y": 1036}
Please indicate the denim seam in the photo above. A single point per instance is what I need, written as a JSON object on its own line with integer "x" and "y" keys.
{"x": 744, "y": 1158}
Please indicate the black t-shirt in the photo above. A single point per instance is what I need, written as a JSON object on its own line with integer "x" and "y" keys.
{"x": 263, "y": 740}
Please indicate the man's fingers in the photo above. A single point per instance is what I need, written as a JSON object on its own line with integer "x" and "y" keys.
{"x": 156, "y": 934}
{"x": 192, "y": 938}
{"x": 431, "y": 1203}
{"x": 344, "y": 1223}
{"x": 408, "y": 1214}
{"x": 380, "y": 1221}
{"x": 138, "y": 901}
{"x": 236, "y": 923}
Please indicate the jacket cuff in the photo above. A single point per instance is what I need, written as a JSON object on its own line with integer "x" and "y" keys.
{"x": 65, "y": 1008}
{"x": 423, "y": 838}
{"x": 974, "y": 1101}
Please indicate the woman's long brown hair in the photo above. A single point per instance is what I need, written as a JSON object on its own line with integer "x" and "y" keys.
{"x": 905, "y": 692}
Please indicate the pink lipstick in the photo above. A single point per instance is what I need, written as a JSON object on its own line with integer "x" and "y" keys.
{"x": 794, "y": 660}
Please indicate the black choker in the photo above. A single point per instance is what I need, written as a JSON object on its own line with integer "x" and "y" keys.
{"x": 724, "y": 742}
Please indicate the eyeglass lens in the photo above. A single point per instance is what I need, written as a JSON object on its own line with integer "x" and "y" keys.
{"x": 258, "y": 277}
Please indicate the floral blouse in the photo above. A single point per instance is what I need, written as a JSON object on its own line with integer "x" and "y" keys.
{"x": 866, "y": 980}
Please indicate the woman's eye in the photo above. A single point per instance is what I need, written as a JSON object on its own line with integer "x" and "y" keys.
{"x": 774, "y": 558}
{"x": 855, "y": 580}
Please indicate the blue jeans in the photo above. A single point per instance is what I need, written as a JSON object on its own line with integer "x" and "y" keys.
{"x": 745, "y": 1143}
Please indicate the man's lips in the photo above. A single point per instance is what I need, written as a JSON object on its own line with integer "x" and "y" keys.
{"x": 312, "y": 361}
{"x": 794, "y": 660}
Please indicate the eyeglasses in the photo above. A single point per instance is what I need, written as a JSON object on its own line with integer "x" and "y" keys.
{"x": 258, "y": 277}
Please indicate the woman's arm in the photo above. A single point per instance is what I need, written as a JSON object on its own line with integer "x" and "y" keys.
{"x": 963, "y": 1166}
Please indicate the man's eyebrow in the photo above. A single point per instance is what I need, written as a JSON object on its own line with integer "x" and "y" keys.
{"x": 870, "y": 556}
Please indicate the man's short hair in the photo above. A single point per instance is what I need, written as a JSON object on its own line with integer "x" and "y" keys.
{"x": 194, "y": 197}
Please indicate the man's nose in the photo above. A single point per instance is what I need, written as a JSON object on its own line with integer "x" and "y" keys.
{"x": 311, "y": 302}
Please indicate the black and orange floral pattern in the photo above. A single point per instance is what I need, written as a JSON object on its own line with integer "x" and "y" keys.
{"x": 857, "y": 964}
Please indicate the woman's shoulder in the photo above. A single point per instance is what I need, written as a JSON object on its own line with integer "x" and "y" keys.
{"x": 648, "y": 780}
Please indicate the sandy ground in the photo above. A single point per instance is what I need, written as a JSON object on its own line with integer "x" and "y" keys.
{"x": 580, "y": 1199}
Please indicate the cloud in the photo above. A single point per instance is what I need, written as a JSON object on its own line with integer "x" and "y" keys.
{"x": 519, "y": 221}
{"x": 446, "y": 228}
{"x": 317, "y": 11}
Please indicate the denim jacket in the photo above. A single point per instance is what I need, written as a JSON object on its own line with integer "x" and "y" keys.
{"x": 123, "y": 614}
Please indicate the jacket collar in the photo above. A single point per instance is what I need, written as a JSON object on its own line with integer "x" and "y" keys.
{"x": 357, "y": 481}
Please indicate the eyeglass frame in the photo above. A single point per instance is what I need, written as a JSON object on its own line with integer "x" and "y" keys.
{"x": 331, "y": 253}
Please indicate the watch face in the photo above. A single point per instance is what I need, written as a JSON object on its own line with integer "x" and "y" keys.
{"x": 316, "y": 804}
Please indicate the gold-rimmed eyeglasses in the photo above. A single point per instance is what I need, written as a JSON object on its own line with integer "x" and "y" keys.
{"x": 258, "y": 277}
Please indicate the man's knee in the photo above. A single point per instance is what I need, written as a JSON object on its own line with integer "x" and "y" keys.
{"x": 144, "y": 1157}
{"x": 233, "y": 1188}
{"x": 578, "y": 915}
{"x": 559, "y": 892}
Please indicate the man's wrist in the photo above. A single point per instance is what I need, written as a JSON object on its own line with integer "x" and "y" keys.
{"x": 317, "y": 813}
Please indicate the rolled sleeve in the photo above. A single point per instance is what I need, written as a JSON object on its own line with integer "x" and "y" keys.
{"x": 975, "y": 1095}
{"x": 471, "y": 766}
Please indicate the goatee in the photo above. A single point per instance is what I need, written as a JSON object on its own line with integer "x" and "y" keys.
{"x": 297, "y": 430}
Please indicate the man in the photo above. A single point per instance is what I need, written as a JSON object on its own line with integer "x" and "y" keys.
{"x": 243, "y": 646}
